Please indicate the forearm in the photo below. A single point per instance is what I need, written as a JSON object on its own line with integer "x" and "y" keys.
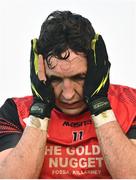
{"x": 26, "y": 159}
{"x": 118, "y": 151}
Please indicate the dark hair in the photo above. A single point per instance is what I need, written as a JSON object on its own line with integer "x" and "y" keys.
{"x": 63, "y": 30}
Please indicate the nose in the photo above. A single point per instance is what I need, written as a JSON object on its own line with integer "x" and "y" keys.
{"x": 68, "y": 91}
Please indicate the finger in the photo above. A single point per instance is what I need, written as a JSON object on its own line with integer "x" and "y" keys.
{"x": 41, "y": 68}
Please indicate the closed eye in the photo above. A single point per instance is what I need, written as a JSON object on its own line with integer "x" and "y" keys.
{"x": 54, "y": 79}
{"x": 78, "y": 77}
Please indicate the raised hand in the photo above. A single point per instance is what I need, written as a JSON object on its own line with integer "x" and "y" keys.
{"x": 43, "y": 100}
{"x": 97, "y": 78}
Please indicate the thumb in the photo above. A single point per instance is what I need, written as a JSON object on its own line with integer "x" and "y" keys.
{"x": 41, "y": 68}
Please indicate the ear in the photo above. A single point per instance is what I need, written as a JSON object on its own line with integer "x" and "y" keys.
{"x": 41, "y": 68}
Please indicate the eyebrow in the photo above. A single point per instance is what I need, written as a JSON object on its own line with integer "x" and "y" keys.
{"x": 73, "y": 76}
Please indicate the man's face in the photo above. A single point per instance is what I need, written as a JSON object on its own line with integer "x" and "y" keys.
{"x": 67, "y": 79}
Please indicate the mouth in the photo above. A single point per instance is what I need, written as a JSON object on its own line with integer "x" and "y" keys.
{"x": 71, "y": 105}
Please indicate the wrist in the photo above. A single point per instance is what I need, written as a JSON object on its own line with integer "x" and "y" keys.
{"x": 36, "y": 122}
{"x": 103, "y": 118}
{"x": 40, "y": 110}
{"x": 98, "y": 105}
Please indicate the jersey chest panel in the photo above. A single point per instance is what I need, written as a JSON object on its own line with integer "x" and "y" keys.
{"x": 77, "y": 161}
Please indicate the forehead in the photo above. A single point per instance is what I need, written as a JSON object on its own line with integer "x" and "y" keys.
{"x": 75, "y": 64}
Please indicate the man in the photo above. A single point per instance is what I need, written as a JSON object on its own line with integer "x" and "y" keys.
{"x": 76, "y": 125}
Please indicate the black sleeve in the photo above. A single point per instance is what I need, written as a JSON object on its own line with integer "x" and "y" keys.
{"x": 131, "y": 134}
{"x": 10, "y": 127}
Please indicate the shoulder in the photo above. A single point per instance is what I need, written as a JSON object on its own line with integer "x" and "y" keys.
{"x": 123, "y": 103}
{"x": 16, "y": 109}
{"x": 23, "y": 105}
{"x": 123, "y": 93}
{"x": 11, "y": 126}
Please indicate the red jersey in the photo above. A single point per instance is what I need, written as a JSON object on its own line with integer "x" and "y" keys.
{"x": 72, "y": 149}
